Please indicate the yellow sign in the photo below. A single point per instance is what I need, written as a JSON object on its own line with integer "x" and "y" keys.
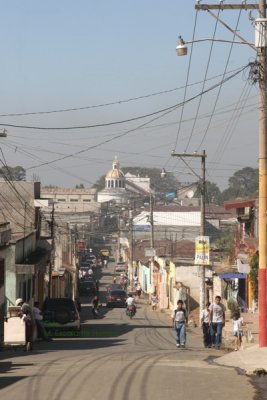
{"x": 202, "y": 250}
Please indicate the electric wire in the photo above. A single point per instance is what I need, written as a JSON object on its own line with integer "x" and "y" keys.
{"x": 204, "y": 83}
{"x": 106, "y": 104}
{"x": 220, "y": 87}
{"x": 186, "y": 84}
{"x": 169, "y": 110}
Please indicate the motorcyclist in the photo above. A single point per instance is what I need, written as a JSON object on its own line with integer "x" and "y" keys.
{"x": 130, "y": 301}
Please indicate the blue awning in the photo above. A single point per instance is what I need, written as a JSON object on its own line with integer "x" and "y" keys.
{"x": 232, "y": 276}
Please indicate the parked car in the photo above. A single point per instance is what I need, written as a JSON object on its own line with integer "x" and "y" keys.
{"x": 61, "y": 313}
{"x": 116, "y": 298}
{"x": 121, "y": 267}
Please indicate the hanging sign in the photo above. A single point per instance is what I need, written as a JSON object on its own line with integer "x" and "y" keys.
{"x": 202, "y": 250}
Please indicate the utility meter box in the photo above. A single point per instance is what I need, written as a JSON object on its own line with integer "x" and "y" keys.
{"x": 260, "y": 32}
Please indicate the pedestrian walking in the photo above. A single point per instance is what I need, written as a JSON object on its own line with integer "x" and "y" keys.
{"x": 138, "y": 290}
{"x": 238, "y": 329}
{"x": 216, "y": 321}
{"x": 154, "y": 301}
{"x": 204, "y": 319}
{"x": 28, "y": 320}
{"x": 38, "y": 318}
{"x": 95, "y": 306}
{"x": 179, "y": 320}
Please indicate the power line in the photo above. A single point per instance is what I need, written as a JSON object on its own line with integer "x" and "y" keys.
{"x": 163, "y": 110}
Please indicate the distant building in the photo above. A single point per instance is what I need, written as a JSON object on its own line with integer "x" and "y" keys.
{"x": 120, "y": 188}
{"x": 70, "y": 199}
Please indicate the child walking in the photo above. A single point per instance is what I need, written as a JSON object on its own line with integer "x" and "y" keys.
{"x": 204, "y": 319}
{"x": 238, "y": 331}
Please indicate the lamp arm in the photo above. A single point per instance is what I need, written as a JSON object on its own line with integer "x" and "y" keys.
{"x": 231, "y": 30}
{"x": 218, "y": 40}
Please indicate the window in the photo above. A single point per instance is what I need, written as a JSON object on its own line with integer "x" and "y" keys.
{"x": 73, "y": 199}
{"x": 112, "y": 184}
{"x": 61, "y": 200}
{"x": 86, "y": 200}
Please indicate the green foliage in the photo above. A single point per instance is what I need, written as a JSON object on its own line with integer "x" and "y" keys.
{"x": 17, "y": 173}
{"x": 226, "y": 243}
{"x": 100, "y": 183}
{"x": 232, "y": 305}
{"x": 213, "y": 193}
{"x": 80, "y": 186}
{"x": 244, "y": 183}
{"x": 254, "y": 271}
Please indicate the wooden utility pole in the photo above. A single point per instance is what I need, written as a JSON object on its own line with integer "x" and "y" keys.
{"x": 260, "y": 47}
{"x": 202, "y": 232}
{"x": 52, "y": 254}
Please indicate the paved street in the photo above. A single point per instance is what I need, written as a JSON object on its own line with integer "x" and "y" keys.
{"x": 118, "y": 358}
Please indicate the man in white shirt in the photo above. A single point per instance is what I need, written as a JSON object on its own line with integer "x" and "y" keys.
{"x": 130, "y": 301}
{"x": 216, "y": 321}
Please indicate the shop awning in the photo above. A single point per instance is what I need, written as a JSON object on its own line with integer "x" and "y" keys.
{"x": 232, "y": 276}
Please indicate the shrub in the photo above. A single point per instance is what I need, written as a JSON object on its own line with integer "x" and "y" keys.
{"x": 232, "y": 304}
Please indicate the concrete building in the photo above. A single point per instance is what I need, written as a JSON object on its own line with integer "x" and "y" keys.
{"x": 71, "y": 200}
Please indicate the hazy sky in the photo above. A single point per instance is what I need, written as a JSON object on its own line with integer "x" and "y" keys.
{"x": 116, "y": 59}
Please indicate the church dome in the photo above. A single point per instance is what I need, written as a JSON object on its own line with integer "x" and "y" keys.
{"x": 115, "y": 172}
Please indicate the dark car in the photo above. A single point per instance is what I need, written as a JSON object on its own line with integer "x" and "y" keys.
{"x": 61, "y": 313}
{"x": 113, "y": 286}
{"x": 116, "y": 298}
{"x": 87, "y": 287}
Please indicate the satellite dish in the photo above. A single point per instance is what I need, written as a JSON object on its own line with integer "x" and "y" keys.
{"x": 189, "y": 194}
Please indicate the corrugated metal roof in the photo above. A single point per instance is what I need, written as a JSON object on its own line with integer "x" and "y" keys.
{"x": 169, "y": 218}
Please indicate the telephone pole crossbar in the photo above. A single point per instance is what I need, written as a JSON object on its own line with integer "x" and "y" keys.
{"x": 226, "y": 6}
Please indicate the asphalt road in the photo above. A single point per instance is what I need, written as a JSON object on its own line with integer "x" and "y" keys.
{"x": 121, "y": 359}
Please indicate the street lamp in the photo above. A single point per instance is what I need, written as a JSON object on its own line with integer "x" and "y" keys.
{"x": 260, "y": 48}
{"x": 181, "y": 48}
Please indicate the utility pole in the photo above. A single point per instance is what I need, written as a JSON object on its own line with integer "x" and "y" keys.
{"x": 131, "y": 247}
{"x": 52, "y": 254}
{"x": 260, "y": 47}
{"x": 151, "y": 220}
{"x": 202, "y": 294}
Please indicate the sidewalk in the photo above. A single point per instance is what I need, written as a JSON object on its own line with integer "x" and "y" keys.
{"x": 250, "y": 358}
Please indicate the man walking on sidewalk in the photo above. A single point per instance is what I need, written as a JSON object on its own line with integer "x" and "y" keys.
{"x": 217, "y": 322}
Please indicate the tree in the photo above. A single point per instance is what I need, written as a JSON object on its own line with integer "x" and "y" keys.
{"x": 17, "y": 173}
{"x": 213, "y": 193}
{"x": 100, "y": 183}
{"x": 80, "y": 186}
{"x": 244, "y": 183}
{"x": 254, "y": 271}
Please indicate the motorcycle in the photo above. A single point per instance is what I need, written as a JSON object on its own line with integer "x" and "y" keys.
{"x": 130, "y": 311}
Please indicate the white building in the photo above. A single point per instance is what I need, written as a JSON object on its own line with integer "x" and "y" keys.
{"x": 120, "y": 187}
